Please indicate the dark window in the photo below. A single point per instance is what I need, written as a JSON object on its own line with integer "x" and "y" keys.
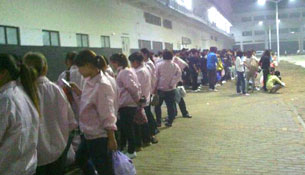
{"x": 259, "y": 32}
{"x": 259, "y": 18}
{"x": 216, "y": 39}
{"x": 82, "y": 40}
{"x": 50, "y": 38}
{"x": 186, "y": 41}
{"x": 169, "y": 46}
{"x": 105, "y": 40}
{"x": 157, "y": 46}
{"x": 247, "y": 33}
{"x": 246, "y": 19}
{"x": 212, "y": 38}
{"x": 152, "y": 19}
{"x": 294, "y": 15}
{"x": 167, "y": 24}
{"x": 9, "y": 35}
{"x": 283, "y": 16}
{"x": 144, "y": 44}
{"x": 247, "y": 41}
{"x": 270, "y": 17}
{"x": 296, "y": 30}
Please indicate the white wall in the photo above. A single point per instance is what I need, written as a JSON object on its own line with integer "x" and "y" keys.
{"x": 96, "y": 18}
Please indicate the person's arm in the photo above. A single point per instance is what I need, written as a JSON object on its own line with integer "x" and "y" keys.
{"x": 131, "y": 84}
{"x": 76, "y": 89}
{"x": 5, "y": 115}
{"x": 176, "y": 78}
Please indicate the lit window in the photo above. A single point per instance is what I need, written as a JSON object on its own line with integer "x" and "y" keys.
{"x": 50, "y": 38}
{"x": 105, "y": 41}
{"x": 82, "y": 40}
{"x": 9, "y": 35}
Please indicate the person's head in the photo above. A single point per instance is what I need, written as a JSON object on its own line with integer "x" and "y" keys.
{"x": 118, "y": 60}
{"x": 267, "y": 54}
{"x": 136, "y": 59}
{"x": 88, "y": 63}
{"x": 145, "y": 53}
{"x": 213, "y": 49}
{"x": 9, "y": 71}
{"x": 167, "y": 55}
{"x": 249, "y": 54}
{"x": 277, "y": 73}
{"x": 37, "y": 61}
{"x": 240, "y": 54}
{"x": 69, "y": 61}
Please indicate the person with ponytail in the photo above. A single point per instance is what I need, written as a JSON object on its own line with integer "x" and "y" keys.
{"x": 56, "y": 122}
{"x": 129, "y": 97}
{"x": 19, "y": 118}
{"x": 97, "y": 118}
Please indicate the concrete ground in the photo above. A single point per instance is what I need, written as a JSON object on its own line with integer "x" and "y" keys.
{"x": 233, "y": 134}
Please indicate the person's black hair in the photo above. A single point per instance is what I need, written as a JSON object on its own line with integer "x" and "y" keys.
{"x": 145, "y": 51}
{"x": 137, "y": 56}
{"x": 167, "y": 55}
{"x": 266, "y": 54}
{"x": 249, "y": 53}
{"x": 120, "y": 59}
{"x": 26, "y": 74}
{"x": 70, "y": 56}
{"x": 277, "y": 73}
{"x": 88, "y": 57}
{"x": 213, "y": 49}
{"x": 239, "y": 54}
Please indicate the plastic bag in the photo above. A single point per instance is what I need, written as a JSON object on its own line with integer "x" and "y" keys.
{"x": 182, "y": 91}
{"x": 177, "y": 95}
{"x": 122, "y": 165}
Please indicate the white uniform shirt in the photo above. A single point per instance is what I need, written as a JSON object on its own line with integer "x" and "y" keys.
{"x": 56, "y": 121}
{"x": 19, "y": 122}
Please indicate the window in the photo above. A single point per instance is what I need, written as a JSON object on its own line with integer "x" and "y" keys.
{"x": 294, "y": 15}
{"x": 246, "y": 19}
{"x": 105, "y": 40}
{"x": 259, "y": 32}
{"x": 285, "y": 30}
{"x": 270, "y": 17}
{"x": 152, "y": 19}
{"x": 9, "y": 35}
{"x": 295, "y": 30}
{"x": 82, "y": 40}
{"x": 212, "y": 38}
{"x": 215, "y": 38}
{"x": 186, "y": 41}
{"x": 283, "y": 16}
{"x": 157, "y": 46}
{"x": 247, "y": 42}
{"x": 167, "y": 24}
{"x": 169, "y": 46}
{"x": 50, "y": 38}
{"x": 259, "y": 18}
{"x": 247, "y": 33}
{"x": 144, "y": 44}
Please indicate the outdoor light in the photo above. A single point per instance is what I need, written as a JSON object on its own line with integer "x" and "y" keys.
{"x": 261, "y": 2}
{"x": 292, "y": 32}
{"x": 260, "y": 23}
{"x": 279, "y": 21}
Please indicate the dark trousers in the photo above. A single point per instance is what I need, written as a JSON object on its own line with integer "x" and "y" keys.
{"x": 169, "y": 98}
{"x": 54, "y": 168}
{"x": 212, "y": 78}
{"x": 241, "y": 83}
{"x": 142, "y": 134}
{"x": 265, "y": 75}
{"x": 182, "y": 107}
{"x": 227, "y": 73}
{"x": 194, "y": 80}
{"x": 94, "y": 155}
{"x": 152, "y": 124}
{"x": 127, "y": 115}
{"x": 205, "y": 78}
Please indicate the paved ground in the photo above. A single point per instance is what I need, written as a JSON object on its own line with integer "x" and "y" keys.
{"x": 232, "y": 134}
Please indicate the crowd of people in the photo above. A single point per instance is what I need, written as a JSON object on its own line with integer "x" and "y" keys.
{"x": 101, "y": 105}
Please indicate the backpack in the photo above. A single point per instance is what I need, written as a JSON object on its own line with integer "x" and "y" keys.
{"x": 253, "y": 65}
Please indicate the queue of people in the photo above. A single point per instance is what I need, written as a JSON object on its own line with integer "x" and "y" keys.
{"x": 98, "y": 106}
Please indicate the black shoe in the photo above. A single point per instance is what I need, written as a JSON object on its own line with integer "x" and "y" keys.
{"x": 167, "y": 124}
{"x": 187, "y": 116}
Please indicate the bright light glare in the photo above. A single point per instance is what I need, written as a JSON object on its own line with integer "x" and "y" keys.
{"x": 260, "y": 23}
{"x": 220, "y": 21}
{"x": 186, "y": 3}
{"x": 261, "y": 2}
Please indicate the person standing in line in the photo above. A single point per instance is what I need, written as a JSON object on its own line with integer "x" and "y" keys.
{"x": 97, "y": 119}
{"x": 19, "y": 118}
{"x": 168, "y": 75}
{"x": 203, "y": 67}
{"x": 265, "y": 65}
{"x": 211, "y": 67}
{"x": 194, "y": 69}
{"x": 251, "y": 68}
{"x": 130, "y": 95}
{"x": 240, "y": 68}
{"x": 56, "y": 123}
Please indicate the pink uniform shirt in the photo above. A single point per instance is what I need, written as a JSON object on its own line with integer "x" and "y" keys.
{"x": 97, "y": 111}
{"x": 168, "y": 75}
{"x": 144, "y": 77}
{"x": 116, "y": 92}
{"x": 152, "y": 68}
{"x": 56, "y": 121}
{"x": 129, "y": 87}
{"x": 180, "y": 62}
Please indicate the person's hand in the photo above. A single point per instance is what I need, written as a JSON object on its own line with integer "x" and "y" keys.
{"x": 112, "y": 144}
{"x": 75, "y": 88}
{"x": 283, "y": 84}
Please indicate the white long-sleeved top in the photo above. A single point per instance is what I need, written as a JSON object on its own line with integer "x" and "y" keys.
{"x": 19, "y": 122}
{"x": 239, "y": 63}
{"x": 56, "y": 121}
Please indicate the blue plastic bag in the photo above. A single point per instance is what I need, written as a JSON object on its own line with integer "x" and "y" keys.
{"x": 122, "y": 165}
